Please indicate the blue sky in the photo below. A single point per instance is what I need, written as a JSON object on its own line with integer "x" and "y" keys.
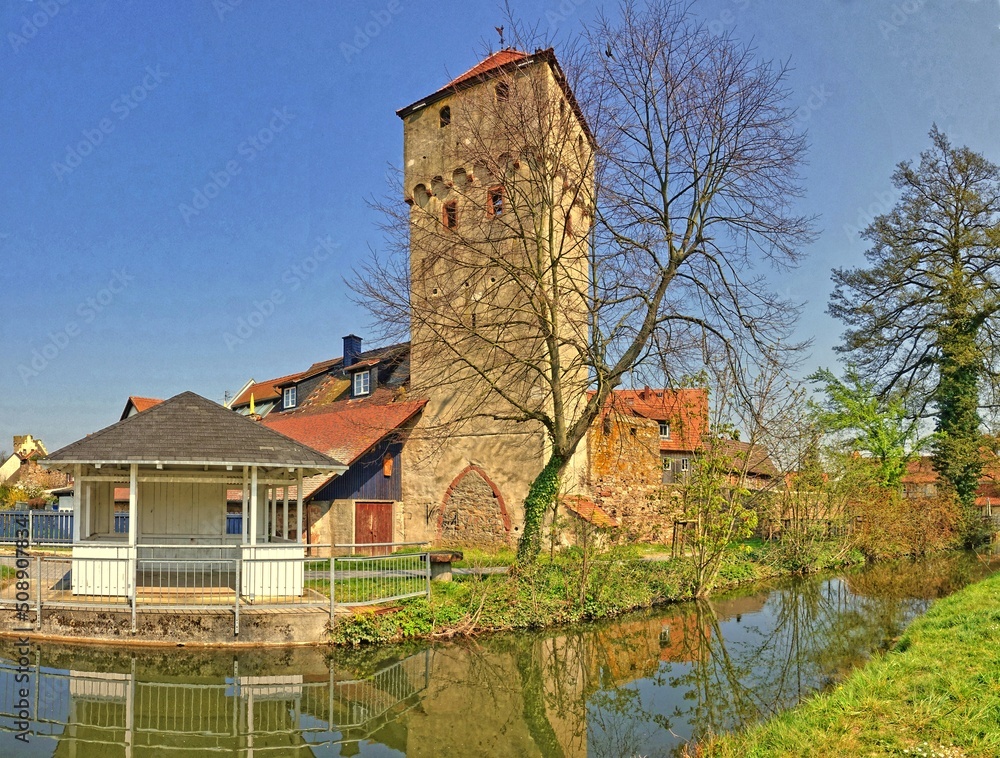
{"x": 178, "y": 172}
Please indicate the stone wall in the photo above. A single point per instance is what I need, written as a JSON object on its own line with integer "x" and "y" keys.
{"x": 431, "y": 466}
{"x": 626, "y": 476}
{"x": 474, "y": 512}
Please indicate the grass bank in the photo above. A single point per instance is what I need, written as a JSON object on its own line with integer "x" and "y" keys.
{"x": 936, "y": 694}
{"x": 564, "y": 590}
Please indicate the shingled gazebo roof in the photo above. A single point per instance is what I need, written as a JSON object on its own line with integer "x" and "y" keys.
{"x": 189, "y": 430}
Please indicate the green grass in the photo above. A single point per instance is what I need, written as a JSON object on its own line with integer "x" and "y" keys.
{"x": 477, "y": 557}
{"x": 548, "y": 592}
{"x": 936, "y": 694}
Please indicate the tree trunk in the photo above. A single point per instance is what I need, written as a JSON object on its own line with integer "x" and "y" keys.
{"x": 542, "y": 495}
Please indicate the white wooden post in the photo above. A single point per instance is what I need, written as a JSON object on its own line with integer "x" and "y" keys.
{"x": 273, "y": 497}
{"x": 88, "y": 504}
{"x": 254, "y": 514}
{"x": 298, "y": 509}
{"x": 133, "y": 524}
{"x": 284, "y": 522}
{"x": 133, "y": 511}
{"x": 77, "y": 504}
{"x": 243, "y": 511}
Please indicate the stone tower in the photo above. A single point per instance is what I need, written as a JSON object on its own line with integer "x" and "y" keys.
{"x": 497, "y": 173}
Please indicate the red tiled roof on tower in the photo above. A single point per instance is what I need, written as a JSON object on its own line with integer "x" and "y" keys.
{"x": 508, "y": 58}
{"x": 496, "y": 60}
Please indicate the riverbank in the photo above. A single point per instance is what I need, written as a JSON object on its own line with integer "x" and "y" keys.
{"x": 936, "y": 694}
{"x": 566, "y": 590}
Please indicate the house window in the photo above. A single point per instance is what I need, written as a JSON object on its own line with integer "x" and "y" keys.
{"x": 666, "y": 464}
{"x": 685, "y": 464}
{"x": 503, "y": 92}
{"x": 664, "y": 430}
{"x": 289, "y": 397}
{"x": 450, "y": 215}
{"x": 496, "y": 201}
{"x": 362, "y": 383}
{"x": 445, "y": 116}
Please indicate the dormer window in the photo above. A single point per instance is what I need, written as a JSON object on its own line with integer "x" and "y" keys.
{"x": 664, "y": 430}
{"x": 362, "y": 383}
{"x": 289, "y": 397}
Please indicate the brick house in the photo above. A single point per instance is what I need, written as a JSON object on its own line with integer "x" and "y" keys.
{"x": 921, "y": 480}
{"x": 641, "y": 450}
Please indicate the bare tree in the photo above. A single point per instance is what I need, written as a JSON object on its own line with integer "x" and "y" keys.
{"x": 586, "y": 233}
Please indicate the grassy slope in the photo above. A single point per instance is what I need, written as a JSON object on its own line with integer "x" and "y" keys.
{"x": 937, "y": 693}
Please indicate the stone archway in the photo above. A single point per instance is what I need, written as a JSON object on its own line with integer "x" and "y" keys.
{"x": 473, "y": 511}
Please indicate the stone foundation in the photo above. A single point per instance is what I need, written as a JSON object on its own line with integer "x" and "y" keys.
{"x": 257, "y": 627}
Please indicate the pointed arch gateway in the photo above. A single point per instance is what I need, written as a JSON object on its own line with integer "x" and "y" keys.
{"x": 473, "y": 511}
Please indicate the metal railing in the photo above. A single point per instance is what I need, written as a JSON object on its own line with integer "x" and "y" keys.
{"x": 214, "y": 715}
{"x": 56, "y": 527}
{"x": 218, "y": 577}
{"x": 369, "y": 580}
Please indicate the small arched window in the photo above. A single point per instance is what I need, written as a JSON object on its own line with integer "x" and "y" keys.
{"x": 503, "y": 92}
{"x": 495, "y": 199}
{"x": 445, "y": 116}
{"x": 421, "y": 195}
{"x": 439, "y": 187}
{"x": 450, "y": 218}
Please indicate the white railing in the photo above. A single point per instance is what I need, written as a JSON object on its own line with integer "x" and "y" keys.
{"x": 220, "y": 578}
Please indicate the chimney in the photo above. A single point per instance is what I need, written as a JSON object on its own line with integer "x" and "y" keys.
{"x": 352, "y": 350}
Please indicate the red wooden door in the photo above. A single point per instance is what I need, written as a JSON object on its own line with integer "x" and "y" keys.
{"x": 373, "y": 524}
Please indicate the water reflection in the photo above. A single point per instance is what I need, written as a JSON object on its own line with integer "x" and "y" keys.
{"x": 641, "y": 686}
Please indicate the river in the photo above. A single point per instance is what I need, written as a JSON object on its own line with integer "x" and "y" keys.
{"x": 643, "y": 685}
